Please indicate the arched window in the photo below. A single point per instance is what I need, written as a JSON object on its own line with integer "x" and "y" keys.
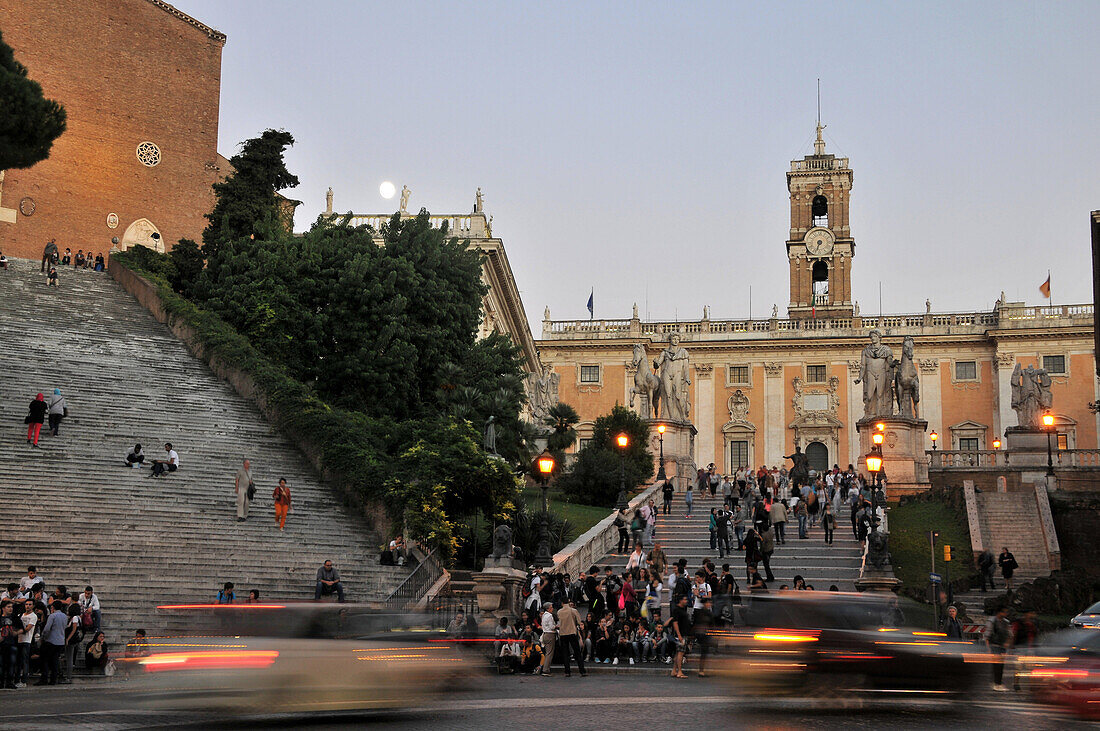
{"x": 820, "y": 275}
{"x": 820, "y": 211}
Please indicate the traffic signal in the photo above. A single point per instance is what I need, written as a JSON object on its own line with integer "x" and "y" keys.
{"x": 947, "y": 553}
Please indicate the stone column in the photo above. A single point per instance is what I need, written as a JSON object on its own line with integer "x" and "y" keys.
{"x": 774, "y": 426}
{"x": 931, "y": 398}
{"x": 855, "y": 413}
{"x": 1003, "y": 415}
{"x": 703, "y": 418}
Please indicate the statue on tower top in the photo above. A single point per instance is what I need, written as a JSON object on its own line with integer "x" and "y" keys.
{"x": 819, "y": 143}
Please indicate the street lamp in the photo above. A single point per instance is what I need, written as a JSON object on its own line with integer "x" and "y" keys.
{"x": 623, "y": 441}
{"x": 934, "y": 437}
{"x": 661, "y": 476}
{"x": 996, "y": 444}
{"x": 1048, "y": 423}
{"x": 544, "y": 469}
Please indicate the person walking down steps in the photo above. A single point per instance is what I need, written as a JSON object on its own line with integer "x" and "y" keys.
{"x": 281, "y": 498}
{"x": 245, "y": 489}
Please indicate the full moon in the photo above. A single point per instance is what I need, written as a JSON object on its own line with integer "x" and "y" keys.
{"x": 386, "y": 190}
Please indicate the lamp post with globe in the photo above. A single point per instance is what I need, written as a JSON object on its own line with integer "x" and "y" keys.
{"x": 544, "y": 469}
{"x": 1048, "y": 425}
{"x": 622, "y": 441}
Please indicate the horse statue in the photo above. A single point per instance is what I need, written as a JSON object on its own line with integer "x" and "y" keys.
{"x": 906, "y": 383}
{"x": 645, "y": 382}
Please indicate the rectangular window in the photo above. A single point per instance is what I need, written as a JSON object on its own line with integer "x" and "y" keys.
{"x": 590, "y": 374}
{"x": 739, "y": 455}
{"x": 739, "y": 374}
{"x": 583, "y": 443}
{"x": 968, "y": 444}
{"x": 1054, "y": 363}
{"x": 817, "y": 374}
{"x": 966, "y": 370}
{"x": 1063, "y": 441}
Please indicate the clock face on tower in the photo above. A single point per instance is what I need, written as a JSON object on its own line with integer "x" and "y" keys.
{"x": 819, "y": 241}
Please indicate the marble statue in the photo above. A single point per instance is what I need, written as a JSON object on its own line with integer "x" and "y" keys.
{"x": 479, "y": 204}
{"x": 502, "y": 542}
{"x": 646, "y": 385}
{"x": 855, "y": 309}
{"x": 1031, "y": 395}
{"x": 876, "y": 367}
{"x": 800, "y": 467}
{"x": 543, "y": 388}
{"x": 672, "y": 363}
{"x": 491, "y": 435}
{"x": 328, "y": 201}
{"x": 906, "y": 381}
{"x": 928, "y": 306}
{"x": 635, "y": 315}
{"x": 405, "y": 198}
{"x": 775, "y": 311}
{"x": 546, "y": 312}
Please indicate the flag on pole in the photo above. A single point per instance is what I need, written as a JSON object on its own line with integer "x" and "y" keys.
{"x": 1044, "y": 288}
{"x": 590, "y": 303}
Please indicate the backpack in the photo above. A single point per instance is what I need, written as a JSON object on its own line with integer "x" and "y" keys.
{"x": 87, "y": 621}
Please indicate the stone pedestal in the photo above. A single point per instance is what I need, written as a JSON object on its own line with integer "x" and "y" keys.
{"x": 1027, "y": 446}
{"x": 498, "y": 591}
{"x": 877, "y": 580}
{"x": 679, "y": 449}
{"x": 903, "y": 454}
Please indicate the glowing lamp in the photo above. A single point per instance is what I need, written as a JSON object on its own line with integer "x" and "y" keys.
{"x": 1048, "y": 420}
{"x": 877, "y": 438}
{"x": 622, "y": 440}
{"x": 880, "y": 426}
{"x": 661, "y": 428}
{"x": 996, "y": 443}
{"x": 874, "y": 463}
{"x": 933, "y": 436}
{"x": 546, "y": 465}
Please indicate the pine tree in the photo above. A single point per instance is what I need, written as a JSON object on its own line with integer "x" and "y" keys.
{"x": 29, "y": 123}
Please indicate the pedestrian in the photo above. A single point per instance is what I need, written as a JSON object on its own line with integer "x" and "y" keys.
{"x": 58, "y": 410}
{"x": 623, "y": 525}
{"x": 712, "y": 526}
{"x": 74, "y": 633}
{"x": 35, "y": 418}
{"x": 245, "y": 490}
{"x": 952, "y": 627}
{"x": 722, "y": 525}
{"x": 778, "y": 513}
{"x": 281, "y": 498}
{"x": 801, "y": 515}
{"x": 28, "y": 620}
{"x": 49, "y": 255}
{"x": 998, "y": 635}
{"x": 767, "y": 548}
{"x": 828, "y": 522}
{"x": 549, "y": 638}
{"x": 226, "y": 595}
{"x": 637, "y": 525}
{"x": 701, "y": 620}
{"x": 688, "y": 497}
{"x": 741, "y": 521}
{"x": 569, "y": 622}
{"x": 681, "y": 630}
{"x": 1008, "y": 565}
{"x": 53, "y": 644}
{"x": 8, "y": 648}
{"x": 666, "y": 492}
{"x": 985, "y": 569}
{"x": 754, "y": 552}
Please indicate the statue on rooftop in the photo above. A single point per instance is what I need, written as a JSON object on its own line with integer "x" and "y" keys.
{"x": 405, "y": 198}
{"x": 479, "y": 204}
{"x": 328, "y": 200}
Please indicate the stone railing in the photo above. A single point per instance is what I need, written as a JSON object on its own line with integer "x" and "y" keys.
{"x": 821, "y": 162}
{"x": 1003, "y": 316}
{"x": 468, "y": 225}
{"x": 597, "y": 542}
{"x": 999, "y": 459}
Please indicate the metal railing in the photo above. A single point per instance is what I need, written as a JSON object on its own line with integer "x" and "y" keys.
{"x": 416, "y": 585}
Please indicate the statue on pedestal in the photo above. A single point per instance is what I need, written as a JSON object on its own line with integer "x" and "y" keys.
{"x": 491, "y": 435}
{"x": 502, "y": 542}
{"x": 800, "y": 468}
{"x": 479, "y": 203}
{"x": 672, "y": 362}
{"x": 1031, "y": 395}
{"x": 647, "y": 385}
{"x": 328, "y": 201}
{"x": 405, "y": 198}
{"x": 906, "y": 381}
{"x": 876, "y": 373}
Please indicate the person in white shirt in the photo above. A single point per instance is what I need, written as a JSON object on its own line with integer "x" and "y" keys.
{"x": 13, "y": 593}
{"x": 549, "y": 638}
{"x": 32, "y": 578}
{"x": 163, "y": 466}
{"x": 535, "y": 600}
{"x": 636, "y": 560}
{"x": 701, "y": 590}
{"x": 89, "y": 601}
{"x": 23, "y": 659}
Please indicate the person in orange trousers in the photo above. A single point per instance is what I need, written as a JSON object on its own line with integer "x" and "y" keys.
{"x": 281, "y": 496}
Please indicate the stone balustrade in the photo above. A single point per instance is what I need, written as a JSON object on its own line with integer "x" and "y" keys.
{"x": 1004, "y": 316}
{"x": 946, "y": 459}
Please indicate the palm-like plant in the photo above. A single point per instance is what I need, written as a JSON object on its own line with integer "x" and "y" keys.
{"x": 562, "y": 419}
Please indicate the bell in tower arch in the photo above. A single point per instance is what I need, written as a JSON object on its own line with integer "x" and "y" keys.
{"x": 819, "y": 209}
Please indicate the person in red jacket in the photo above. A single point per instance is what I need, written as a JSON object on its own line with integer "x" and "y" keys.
{"x": 281, "y": 497}
{"x": 35, "y": 418}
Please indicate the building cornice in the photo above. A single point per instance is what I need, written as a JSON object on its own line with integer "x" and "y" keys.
{"x": 216, "y": 35}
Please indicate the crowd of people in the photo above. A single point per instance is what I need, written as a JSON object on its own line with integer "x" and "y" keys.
{"x": 41, "y": 633}
{"x": 52, "y": 259}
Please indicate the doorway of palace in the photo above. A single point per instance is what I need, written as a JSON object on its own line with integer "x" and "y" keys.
{"x": 818, "y": 456}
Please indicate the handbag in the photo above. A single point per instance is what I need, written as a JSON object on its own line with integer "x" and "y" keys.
{"x": 251, "y": 490}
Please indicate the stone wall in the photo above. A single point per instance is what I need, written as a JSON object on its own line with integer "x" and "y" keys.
{"x": 127, "y": 72}
{"x": 1077, "y": 520}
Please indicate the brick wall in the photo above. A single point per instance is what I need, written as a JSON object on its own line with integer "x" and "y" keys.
{"x": 126, "y": 71}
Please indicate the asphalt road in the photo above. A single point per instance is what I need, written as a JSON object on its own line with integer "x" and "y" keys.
{"x": 647, "y": 699}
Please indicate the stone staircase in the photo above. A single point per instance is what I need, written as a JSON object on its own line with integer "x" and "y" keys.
{"x": 1012, "y": 519}
{"x": 819, "y": 564}
{"x": 71, "y": 507}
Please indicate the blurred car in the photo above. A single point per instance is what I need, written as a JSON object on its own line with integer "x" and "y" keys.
{"x": 294, "y": 658}
{"x": 799, "y": 642}
{"x": 1064, "y": 670}
{"x": 1088, "y": 619}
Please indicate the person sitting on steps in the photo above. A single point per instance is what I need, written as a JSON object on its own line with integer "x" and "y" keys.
{"x": 328, "y": 582}
{"x": 135, "y": 457}
{"x": 162, "y": 467}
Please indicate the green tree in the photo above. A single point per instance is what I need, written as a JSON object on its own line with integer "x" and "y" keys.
{"x": 29, "y": 122}
{"x": 187, "y": 260}
{"x": 562, "y": 419}
{"x": 246, "y": 205}
{"x": 595, "y": 475}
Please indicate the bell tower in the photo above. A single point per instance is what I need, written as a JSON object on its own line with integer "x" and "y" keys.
{"x": 820, "y": 247}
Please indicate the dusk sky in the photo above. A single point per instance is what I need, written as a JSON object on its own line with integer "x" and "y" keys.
{"x": 641, "y": 148}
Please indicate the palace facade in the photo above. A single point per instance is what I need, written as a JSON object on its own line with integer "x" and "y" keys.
{"x": 760, "y": 387}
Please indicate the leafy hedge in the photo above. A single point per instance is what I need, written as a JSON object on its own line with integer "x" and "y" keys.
{"x": 358, "y": 454}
